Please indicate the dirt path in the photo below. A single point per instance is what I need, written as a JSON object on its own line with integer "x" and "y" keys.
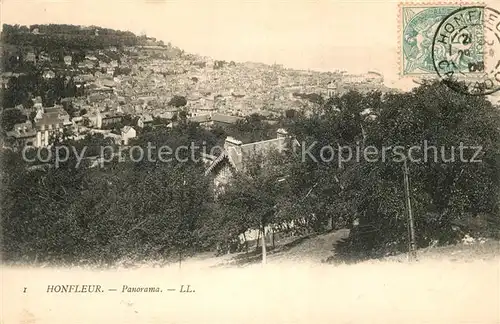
{"x": 452, "y": 288}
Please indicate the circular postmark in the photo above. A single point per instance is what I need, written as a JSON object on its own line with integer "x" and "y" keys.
{"x": 466, "y": 50}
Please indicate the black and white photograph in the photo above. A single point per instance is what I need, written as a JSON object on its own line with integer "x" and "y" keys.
{"x": 249, "y": 161}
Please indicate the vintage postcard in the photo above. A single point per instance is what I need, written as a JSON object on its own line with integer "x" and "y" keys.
{"x": 263, "y": 161}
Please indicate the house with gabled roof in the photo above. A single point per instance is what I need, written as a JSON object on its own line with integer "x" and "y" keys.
{"x": 224, "y": 120}
{"x": 166, "y": 113}
{"x": 49, "y": 121}
{"x": 108, "y": 118}
{"x": 236, "y": 155}
{"x": 145, "y": 120}
{"x": 331, "y": 89}
{"x": 127, "y": 133}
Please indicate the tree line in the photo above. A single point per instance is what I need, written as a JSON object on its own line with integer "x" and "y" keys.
{"x": 55, "y": 36}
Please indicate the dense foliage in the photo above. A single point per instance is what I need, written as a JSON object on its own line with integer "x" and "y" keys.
{"x": 449, "y": 197}
{"x": 57, "y": 36}
{"x": 22, "y": 89}
{"x": 122, "y": 210}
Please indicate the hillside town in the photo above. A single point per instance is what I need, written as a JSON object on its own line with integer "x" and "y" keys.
{"x": 153, "y": 83}
{"x": 288, "y": 161}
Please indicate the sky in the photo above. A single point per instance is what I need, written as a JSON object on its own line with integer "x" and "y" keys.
{"x": 326, "y": 35}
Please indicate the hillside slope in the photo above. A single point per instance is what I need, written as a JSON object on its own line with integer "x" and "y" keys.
{"x": 450, "y": 288}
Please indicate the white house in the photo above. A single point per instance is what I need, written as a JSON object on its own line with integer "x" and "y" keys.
{"x": 128, "y": 132}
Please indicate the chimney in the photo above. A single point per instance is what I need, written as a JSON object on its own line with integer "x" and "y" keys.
{"x": 282, "y": 136}
{"x": 233, "y": 148}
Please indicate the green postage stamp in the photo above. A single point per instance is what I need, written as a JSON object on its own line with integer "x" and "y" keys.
{"x": 418, "y": 25}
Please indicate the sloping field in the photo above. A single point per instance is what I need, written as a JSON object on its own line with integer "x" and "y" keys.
{"x": 459, "y": 284}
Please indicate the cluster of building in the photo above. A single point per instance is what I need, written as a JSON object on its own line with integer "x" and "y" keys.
{"x": 215, "y": 92}
{"x": 51, "y": 122}
{"x": 235, "y": 89}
